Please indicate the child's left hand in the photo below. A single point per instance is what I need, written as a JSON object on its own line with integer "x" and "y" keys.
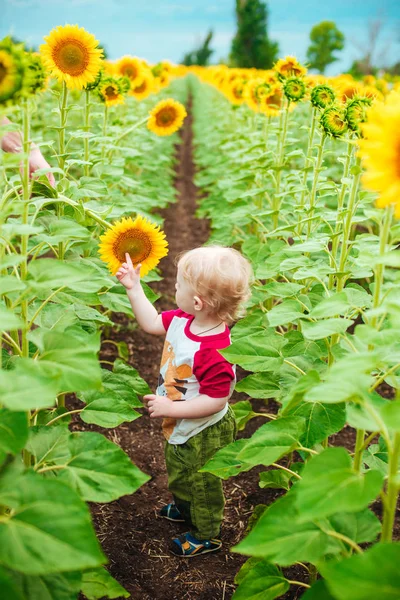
{"x": 158, "y": 406}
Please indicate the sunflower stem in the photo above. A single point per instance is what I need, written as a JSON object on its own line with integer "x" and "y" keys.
{"x": 344, "y": 251}
{"x": 25, "y": 214}
{"x": 103, "y": 151}
{"x": 317, "y": 172}
{"x": 339, "y": 216}
{"x": 279, "y": 164}
{"x": 61, "y": 153}
{"x": 310, "y": 145}
{"x": 380, "y": 268}
{"x": 87, "y": 129}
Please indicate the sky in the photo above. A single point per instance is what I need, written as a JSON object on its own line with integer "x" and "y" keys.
{"x": 164, "y": 29}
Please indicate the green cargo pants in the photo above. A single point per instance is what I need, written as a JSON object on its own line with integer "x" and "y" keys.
{"x": 199, "y": 496}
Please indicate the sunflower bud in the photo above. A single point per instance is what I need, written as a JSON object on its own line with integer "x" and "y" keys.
{"x": 294, "y": 89}
{"x": 35, "y": 74}
{"x": 356, "y": 112}
{"x": 90, "y": 87}
{"x": 333, "y": 121}
{"x": 322, "y": 96}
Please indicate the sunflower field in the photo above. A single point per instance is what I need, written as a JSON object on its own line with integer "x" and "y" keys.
{"x": 302, "y": 174}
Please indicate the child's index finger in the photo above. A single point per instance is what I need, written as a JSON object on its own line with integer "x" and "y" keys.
{"x": 128, "y": 259}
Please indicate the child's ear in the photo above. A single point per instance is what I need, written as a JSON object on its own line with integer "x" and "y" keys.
{"x": 198, "y": 303}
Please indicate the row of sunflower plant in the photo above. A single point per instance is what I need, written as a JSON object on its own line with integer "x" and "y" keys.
{"x": 110, "y": 172}
{"x": 280, "y": 156}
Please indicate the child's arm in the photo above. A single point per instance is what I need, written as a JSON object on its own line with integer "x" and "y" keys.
{"x": 146, "y": 315}
{"x": 201, "y": 406}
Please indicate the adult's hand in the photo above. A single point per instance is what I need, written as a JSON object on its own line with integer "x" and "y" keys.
{"x": 11, "y": 142}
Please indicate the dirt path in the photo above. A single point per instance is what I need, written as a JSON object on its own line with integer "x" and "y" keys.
{"x": 133, "y": 537}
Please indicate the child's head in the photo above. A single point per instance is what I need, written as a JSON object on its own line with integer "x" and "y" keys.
{"x": 215, "y": 280}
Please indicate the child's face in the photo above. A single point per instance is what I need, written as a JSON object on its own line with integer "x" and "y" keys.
{"x": 185, "y": 296}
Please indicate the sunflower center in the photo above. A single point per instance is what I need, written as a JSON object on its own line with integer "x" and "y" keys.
{"x": 273, "y": 100}
{"x": 141, "y": 88}
{"x": 166, "y": 116}
{"x": 111, "y": 92}
{"x": 3, "y": 72}
{"x": 135, "y": 242}
{"x": 71, "y": 57}
{"x": 129, "y": 71}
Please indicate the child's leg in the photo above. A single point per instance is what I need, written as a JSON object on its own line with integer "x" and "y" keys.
{"x": 199, "y": 496}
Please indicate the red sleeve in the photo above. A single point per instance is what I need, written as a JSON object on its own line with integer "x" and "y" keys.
{"x": 168, "y": 315}
{"x": 213, "y": 372}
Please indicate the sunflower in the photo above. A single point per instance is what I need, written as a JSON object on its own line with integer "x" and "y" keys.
{"x": 380, "y": 151}
{"x": 356, "y": 112}
{"x": 71, "y": 55}
{"x": 234, "y": 90}
{"x": 166, "y": 117}
{"x": 143, "y": 241}
{"x": 270, "y": 104}
{"x": 294, "y": 89}
{"x": 333, "y": 121}
{"x": 289, "y": 67}
{"x": 11, "y": 71}
{"x": 144, "y": 89}
{"x": 322, "y": 96}
{"x": 132, "y": 68}
{"x": 254, "y": 91}
{"x": 110, "y": 92}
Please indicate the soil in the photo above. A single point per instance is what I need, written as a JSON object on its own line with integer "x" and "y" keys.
{"x": 133, "y": 537}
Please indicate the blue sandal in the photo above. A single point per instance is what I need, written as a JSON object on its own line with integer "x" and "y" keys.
{"x": 170, "y": 512}
{"x": 187, "y": 546}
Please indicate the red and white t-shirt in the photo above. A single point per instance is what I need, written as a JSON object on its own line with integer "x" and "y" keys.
{"x": 191, "y": 365}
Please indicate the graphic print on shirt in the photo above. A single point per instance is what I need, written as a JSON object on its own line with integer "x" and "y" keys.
{"x": 173, "y": 378}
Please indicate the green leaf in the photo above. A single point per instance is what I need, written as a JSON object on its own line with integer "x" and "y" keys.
{"x": 9, "y": 283}
{"x": 130, "y": 376}
{"x": 49, "y": 529}
{"x": 272, "y": 440}
{"x": 225, "y": 462}
{"x": 107, "y": 409}
{"x": 9, "y": 589}
{"x": 330, "y": 485}
{"x": 283, "y": 290}
{"x": 98, "y": 583}
{"x": 13, "y": 432}
{"x": 60, "y": 586}
{"x": 255, "y": 353}
{"x": 372, "y": 574}
{"x": 260, "y": 385}
{"x": 49, "y": 273}
{"x": 278, "y": 536}
{"x": 27, "y": 387}
{"x": 286, "y": 312}
{"x": 98, "y": 469}
{"x": 277, "y": 479}
{"x": 65, "y": 353}
{"x": 322, "y": 420}
{"x": 263, "y": 582}
{"x": 243, "y": 413}
{"x": 255, "y": 322}
{"x": 338, "y": 304}
{"x": 9, "y": 321}
{"x": 318, "y": 591}
{"x": 322, "y": 329}
{"x": 390, "y": 413}
{"x": 361, "y": 526}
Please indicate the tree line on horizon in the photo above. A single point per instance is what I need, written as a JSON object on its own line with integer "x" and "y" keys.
{"x": 252, "y": 47}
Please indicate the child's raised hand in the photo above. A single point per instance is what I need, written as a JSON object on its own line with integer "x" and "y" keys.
{"x": 127, "y": 274}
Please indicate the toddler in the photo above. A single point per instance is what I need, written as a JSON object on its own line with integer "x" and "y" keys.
{"x": 195, "y": 383}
